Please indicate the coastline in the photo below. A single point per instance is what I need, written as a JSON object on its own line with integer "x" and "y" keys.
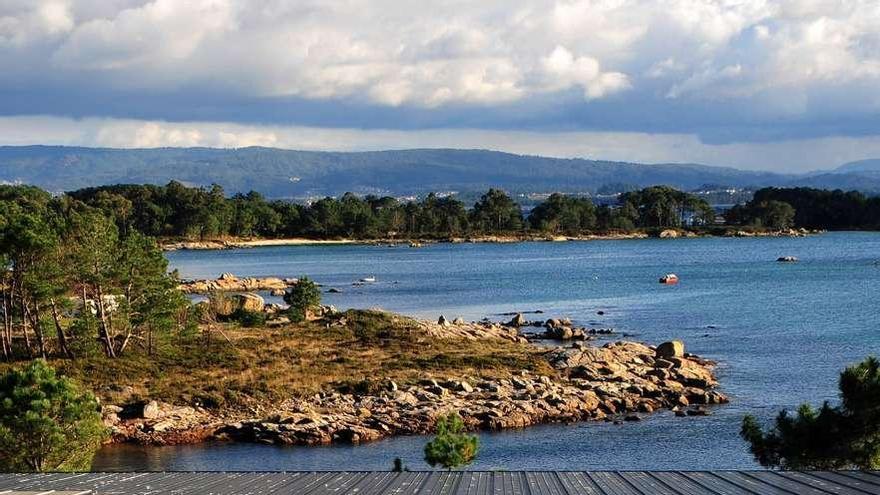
{"x": 576, "y": 381}
{"x": 246, "y": 243}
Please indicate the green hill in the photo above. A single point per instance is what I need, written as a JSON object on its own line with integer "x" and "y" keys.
{"x": 287, "y": 173}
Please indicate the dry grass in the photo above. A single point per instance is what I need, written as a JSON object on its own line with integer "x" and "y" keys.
{"x": 262, "y": 365}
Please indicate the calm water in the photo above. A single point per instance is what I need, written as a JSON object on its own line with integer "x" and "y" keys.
{"x": 781, "y": 333}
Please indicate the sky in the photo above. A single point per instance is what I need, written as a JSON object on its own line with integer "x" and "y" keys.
{"x": 783, "y": 85}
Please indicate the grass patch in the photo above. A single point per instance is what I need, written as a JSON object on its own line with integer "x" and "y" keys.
{"x": 263, "y": 365}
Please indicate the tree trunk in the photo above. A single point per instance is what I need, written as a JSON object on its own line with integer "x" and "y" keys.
{"x": 105, "y": 331}
{"x": 24, "y": 326}
{"x": 62, "y": 339}
{"x": 125, "y": 341}
{"x": 149, "y": 340}
{"x": 38, "y": 330}
{"x": 7, "y": 322}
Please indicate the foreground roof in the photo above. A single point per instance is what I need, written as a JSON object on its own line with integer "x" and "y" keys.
{"x": 468, "y": 482}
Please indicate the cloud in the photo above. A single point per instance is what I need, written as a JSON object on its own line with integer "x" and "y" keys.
{"x": 741, "y": 69}
{"x": 563, "y": 70}
{"x": 782, "y": 156}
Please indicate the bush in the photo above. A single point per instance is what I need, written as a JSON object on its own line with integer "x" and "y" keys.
{"x": 249, "y": 319}
{"x": 451, "y": 447}
{"x": 302, "y": 297}
{"x": 296, "y": 315}
{"x": 46, "y": 422}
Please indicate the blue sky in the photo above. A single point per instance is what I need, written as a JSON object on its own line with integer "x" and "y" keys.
{"x": 785, "y": 85}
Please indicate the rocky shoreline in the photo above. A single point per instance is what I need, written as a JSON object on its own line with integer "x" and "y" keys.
{"x": 619, "y": 381}
{"x": 228, "y": 282}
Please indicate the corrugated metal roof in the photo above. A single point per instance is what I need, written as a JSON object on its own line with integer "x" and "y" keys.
{"x": 450, "y": 483}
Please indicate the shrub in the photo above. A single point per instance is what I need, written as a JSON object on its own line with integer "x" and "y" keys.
{"x": 302, "y": 297}
{"x": 46, "y": 422}
{"x": 451, "y": 447}
{"x": 249, "y": 319}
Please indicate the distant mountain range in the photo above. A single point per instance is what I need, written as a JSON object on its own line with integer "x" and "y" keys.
{"x": 281, "y": 173}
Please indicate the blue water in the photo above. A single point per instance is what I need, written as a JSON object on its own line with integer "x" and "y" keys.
{"x": 781, "y": 333}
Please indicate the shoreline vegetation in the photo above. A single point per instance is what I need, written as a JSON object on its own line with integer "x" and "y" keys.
{"x": 184, "y": 217}
{"x": 246, "y": 243}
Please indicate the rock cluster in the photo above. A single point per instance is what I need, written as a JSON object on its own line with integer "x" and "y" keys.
{"x": 616, "y": 382}
{"x": 197, "y": 245}
{"x": 802, "y": 232}
{"x": 458, "y": 328}
{"x": 562, "y": 329}
{"x": 159, "y": 423}
{"x": 228, "y": 282}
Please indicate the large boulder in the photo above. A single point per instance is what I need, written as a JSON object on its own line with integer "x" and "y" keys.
{"x": 227, "y": 305}
{"x": 518, "y": 321}
{"x": 671, "y": 349}
{"x": 250, "y": 302}
{"x": 151, "y": 410}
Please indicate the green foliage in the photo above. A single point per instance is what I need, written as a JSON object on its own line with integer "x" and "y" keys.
{"x": 178, "y": 211}
{"x": 771, "y": 214}
{"x": 302, "y": 297}
{"x": 846, "y": 436}
{"x": 808, "y": 208}
{"x": 249, "y": 319}
{"x": 497, "y": 212}
{"x": 58, "y": 250}
{"x": 451, "y": 447}
{"x": 564, "y": 214}
{"x": 296, "y": 315}
{"x": 46, "y": 422}
{"x": 82, "y": 331}
{"x": 663, "y": 206}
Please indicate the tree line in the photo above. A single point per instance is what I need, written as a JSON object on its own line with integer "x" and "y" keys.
{"x": 74, "y": 284}
{"x": 175, "y": 210}
{"x": 802, "y": 207}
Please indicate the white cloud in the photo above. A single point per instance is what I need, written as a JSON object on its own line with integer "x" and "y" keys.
{"x": 442, "y": 52}
{"x": 757, "y": 61}
{"x": 782, "y": 156}
{"x": 563, "y": 70}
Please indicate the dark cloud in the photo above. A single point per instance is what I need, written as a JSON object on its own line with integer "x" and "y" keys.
{"x": 755, "y": 71}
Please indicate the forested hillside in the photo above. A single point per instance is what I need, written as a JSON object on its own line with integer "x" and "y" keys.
{"x": 278, "y": 173}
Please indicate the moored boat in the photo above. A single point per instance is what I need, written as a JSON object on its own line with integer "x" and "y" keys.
{"x": 669, "y": 279}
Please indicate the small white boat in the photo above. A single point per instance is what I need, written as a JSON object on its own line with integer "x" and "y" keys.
{"x": 669, "y": 279}
{"x": 368, "y": 280}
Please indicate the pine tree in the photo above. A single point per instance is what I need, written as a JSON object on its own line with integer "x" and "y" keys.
{"x": 451, "y": 447}
{"x": 846, "y": 436}
{"x": 46, "y": 422}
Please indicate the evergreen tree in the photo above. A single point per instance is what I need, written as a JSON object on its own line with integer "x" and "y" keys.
{"x": 302, "y": 298}
{"x": 451, "y": 447}
{"x": 497, "y": 212}
{"x": 846, "y": 436}
{"x": 46, "y": 422}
